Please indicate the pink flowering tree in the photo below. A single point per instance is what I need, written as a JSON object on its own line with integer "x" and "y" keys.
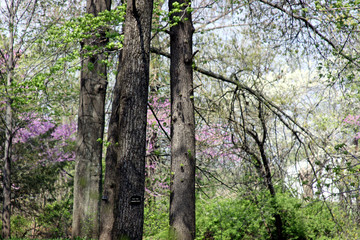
{"x": 215, "y": 143}
{"x": 54, "y": 143}
{"x": 158, "y": 146}
{"x": 42, "y": 159}
{"x": 215, "y": 147}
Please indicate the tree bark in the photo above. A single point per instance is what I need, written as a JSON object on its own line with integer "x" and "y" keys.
{"x": 6, "y": 211}
{"x": 91, "y": 121}
{"x": 182, "y": 186}
{"x": 10, "y": 64}
{"x": 122, "y": 210}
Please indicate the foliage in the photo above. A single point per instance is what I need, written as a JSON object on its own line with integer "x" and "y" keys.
{"x": 55, "y": 220}
{"x": 156, "y": 224}
{"x": 228, "y": 218}
{"x": 83, "y": 27}
{"x": 42, "y": 193}
{"x": 238, "y": 207}
{"x": 77, "y": 29}
{"x": 52, "y": 222}
{"x": 241, "y": 218}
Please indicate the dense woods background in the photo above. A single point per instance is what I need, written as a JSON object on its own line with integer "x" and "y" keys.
{"x": 203, "y": 119}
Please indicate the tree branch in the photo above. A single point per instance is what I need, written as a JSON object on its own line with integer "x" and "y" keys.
{"x": 313, "y": 28}
{"x": 272, "y": 106}
{"x": 158, "y": 121}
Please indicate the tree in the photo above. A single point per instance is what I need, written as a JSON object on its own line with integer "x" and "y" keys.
{"x": 122, "y": 210}
{"x": 91, "y": 122}
{"x": 43, "y": 155}
{"x": 182, "y": 183}
{"x": 23, "y": 75}
{"x": 6, "y": 212}
{"x": 258, "y": 133}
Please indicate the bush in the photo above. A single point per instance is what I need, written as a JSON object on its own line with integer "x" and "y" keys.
{"x": 240, "y": 218}
{"x": 156, "y": 219}
{"x": 55, "y": 221}
{"x": 229, "y": 219}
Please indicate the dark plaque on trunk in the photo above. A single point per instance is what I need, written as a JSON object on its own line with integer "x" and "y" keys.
{"x": 135, "y": 200}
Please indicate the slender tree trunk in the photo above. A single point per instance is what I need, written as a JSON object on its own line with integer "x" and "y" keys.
{"x": 268, "y": 177}
{"x": 91, "y": 121}
{"x": 270, "y": 186}
{"x": 6, "y": 211}
{"x": 122, "y": 210}
{"x": 262, "y": 166}
{"x": 182, "y": 186}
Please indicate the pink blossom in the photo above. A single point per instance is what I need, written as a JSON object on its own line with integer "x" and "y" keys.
{"x": 54, "y": 146}
{"x": 353, "y": 120}
{"x": 35, "y": 128}
{"x": 65, "y": 131}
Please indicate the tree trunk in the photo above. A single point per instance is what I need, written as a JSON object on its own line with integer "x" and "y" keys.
{"x": 6, "y": 211}
{"x": 270, "y": 186}
{"x": 182, "y": 186}
{"x": 91, "y": 120}
{"x": 122, "y": 210}
{"x": 262, "y": 166}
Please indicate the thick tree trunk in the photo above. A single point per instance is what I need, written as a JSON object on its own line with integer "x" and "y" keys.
{"x": 182, "y": 186}
{"x": 91, "y": 120}
{"x": 122, "y": 210}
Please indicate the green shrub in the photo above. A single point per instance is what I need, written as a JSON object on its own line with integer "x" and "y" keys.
{"x": 304, "y": 220}
{"x": 55, "y": 220}
{"x": 236, "y": 218}
{"x": 156, "y": 219}
{"x": 20, "y": 225}
{"x": 229, "y": 219}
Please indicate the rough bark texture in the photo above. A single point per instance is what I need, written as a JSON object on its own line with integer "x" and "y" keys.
{"x": 122, "y": 210}
{"x": 182, "y": 186}
{"x": 88, "y": 170}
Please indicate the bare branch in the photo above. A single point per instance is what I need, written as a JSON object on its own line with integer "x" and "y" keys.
{"x": 272, "y": 106}
{"x": 308, "y": 24}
